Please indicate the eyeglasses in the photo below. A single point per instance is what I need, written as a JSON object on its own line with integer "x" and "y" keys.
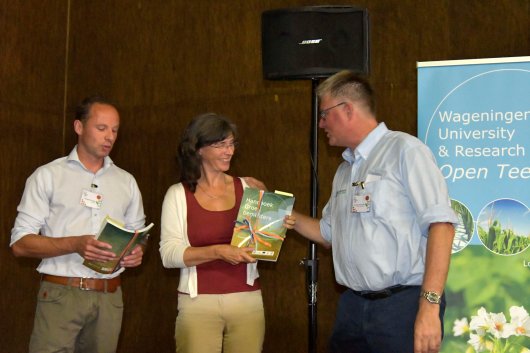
{"x": 324, "y": 113}
{"x": 224, "y": 145}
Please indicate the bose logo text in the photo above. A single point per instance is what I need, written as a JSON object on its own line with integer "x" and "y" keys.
{"x": 310, "y": 41}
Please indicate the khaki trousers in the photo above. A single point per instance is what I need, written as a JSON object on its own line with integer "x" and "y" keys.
{"x": 214, "y": 323}
{"x": 69, "y": 320}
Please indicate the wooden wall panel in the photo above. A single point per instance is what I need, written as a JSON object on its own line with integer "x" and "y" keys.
{"x": 164, "y": 62}
{"x": 32, "y": 68}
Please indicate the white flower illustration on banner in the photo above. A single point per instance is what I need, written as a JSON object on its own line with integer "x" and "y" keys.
{"x": 490, "y": 332}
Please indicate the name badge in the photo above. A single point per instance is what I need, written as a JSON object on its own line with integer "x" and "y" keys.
{"x": 91, "y": 199}
{"x": 361, "y": 203}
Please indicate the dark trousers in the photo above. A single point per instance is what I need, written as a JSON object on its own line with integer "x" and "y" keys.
{"x": 377, "y": 326}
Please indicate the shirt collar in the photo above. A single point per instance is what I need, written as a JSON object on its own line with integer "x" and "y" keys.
{"x": 74, "y": 157}
{"x": 366, "y": 146}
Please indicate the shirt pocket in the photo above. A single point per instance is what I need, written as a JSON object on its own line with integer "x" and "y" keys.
{"x": 389, "y": 200}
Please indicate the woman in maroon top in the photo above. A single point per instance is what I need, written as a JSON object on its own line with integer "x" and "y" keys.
{"x": 220, "y": 304}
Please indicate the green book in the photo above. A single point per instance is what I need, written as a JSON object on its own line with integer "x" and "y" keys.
{"x": 123, "y": 241}
{"x": 259, "y": 222}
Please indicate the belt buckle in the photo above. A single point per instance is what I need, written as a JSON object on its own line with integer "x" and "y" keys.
{"x": 83, "y": 285}
{"x": 382, "y": 294}
{"x": 386, "y": 293}
{"x": 375, "y": 295}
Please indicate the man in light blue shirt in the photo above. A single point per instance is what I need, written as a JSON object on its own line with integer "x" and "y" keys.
{"x": 389, "y": 223}
{"x": 63, "y": 206}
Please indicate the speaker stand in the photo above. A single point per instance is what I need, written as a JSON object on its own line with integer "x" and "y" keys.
{"x": 311, "y": 263}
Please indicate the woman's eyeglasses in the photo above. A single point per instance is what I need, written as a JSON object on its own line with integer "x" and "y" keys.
{"x": 224, "y": 144}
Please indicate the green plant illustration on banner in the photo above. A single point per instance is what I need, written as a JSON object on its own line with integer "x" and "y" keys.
{"x": 480, "y": 279}
{"x": 465, "y": 228}
{"x": 504, "y": 227}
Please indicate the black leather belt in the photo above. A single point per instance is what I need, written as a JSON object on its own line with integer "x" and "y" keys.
{"x": 381, "y": 294}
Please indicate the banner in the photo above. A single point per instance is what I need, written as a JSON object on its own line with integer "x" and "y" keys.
{"x": 475, "y": 117}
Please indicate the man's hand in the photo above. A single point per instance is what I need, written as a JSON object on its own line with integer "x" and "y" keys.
{"x": 255, "y": 183}
{"x": 427, "y": 328}
{"x": 289, "y": 221}
{"x": 92, "y": 249}
{"x": 134, "y": 258}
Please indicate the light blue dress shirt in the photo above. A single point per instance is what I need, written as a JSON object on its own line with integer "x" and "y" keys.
{"x": 385, "y": 246}
{"x": 51, "y": 206}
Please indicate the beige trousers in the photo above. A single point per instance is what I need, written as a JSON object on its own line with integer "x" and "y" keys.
{"x": 70, "y": 320}
{"x": 214, "y": 323}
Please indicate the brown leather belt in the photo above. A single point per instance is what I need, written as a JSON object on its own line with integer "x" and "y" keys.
{"x": 99, "y": 285}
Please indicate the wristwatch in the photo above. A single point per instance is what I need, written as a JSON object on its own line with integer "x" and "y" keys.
{"x": 432, "y": 297}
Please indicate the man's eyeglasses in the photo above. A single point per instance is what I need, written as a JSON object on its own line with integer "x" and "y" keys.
{"x": 324, "y": 113}
{"x": 224, "y": 144}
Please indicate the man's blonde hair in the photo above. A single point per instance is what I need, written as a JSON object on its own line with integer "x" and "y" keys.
{"x": 348, "y": 84}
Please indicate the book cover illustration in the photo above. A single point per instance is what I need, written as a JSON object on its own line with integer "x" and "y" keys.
{"x": 259, "y": 222}
{"x": 123, "y": 241}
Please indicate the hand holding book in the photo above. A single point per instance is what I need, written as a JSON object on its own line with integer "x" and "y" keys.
{"x": 122, "y": 241}
{"x": 261, "y": 222}
{"x": 234, "y": 255}
{"x": 134, "y": 257}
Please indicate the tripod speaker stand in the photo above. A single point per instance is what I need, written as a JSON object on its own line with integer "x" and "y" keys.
{"x": 311, "y": 43}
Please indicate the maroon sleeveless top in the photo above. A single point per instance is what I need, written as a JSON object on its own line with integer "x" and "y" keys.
{"x": 216, "y": 227}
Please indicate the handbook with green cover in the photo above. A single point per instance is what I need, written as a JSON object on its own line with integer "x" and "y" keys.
{"x": 259, "y": 222}
{"x": 123, "y": 241}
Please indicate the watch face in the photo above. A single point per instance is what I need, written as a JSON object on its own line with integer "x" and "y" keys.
{"x": 432, "y": 297}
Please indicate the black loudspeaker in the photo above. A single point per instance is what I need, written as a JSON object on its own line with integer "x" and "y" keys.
{"x": 314, "y": 42}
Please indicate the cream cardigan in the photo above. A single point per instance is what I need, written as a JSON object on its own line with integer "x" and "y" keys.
{"x": 174, "y": 240}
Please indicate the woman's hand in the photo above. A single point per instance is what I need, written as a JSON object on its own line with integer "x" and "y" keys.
{"x": 234, "y": 255}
